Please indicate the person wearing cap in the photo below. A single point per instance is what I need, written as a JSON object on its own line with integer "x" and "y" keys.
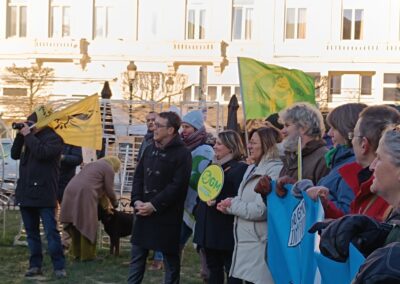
{"x": 39, "y": 153}
{"x": 194, "y": 136}
{"x": 79, "y": 205}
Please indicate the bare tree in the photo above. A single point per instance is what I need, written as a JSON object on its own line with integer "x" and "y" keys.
{"x": 34, "y": 77}
{"x": 323, "y": 88}
{"x": 156, "y": 86}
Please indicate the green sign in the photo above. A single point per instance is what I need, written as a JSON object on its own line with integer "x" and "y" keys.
{"x": 210, "y": 183}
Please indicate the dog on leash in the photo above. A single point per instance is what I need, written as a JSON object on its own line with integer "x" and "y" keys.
{"x": 117, "y": 224}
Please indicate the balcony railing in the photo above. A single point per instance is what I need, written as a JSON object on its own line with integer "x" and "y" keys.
{"x": 351, "y": 95}
{"x": 361, "y": 49}
{"x": 61, "y": 49}
{"x": 199, "y": 52}
{"x": 56, "y": 47}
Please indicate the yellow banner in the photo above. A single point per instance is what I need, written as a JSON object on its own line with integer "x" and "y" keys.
{"x": 210, "y": 183}
{"x": 78, "y": 124}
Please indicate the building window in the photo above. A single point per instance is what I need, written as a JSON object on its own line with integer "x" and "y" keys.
{"x": 212, "y": 93}
{"x": 196, "y": 20}
{"x": 17, "y": 18}
{"x": 102, "y": 21}
{"x": 226, "y": 93}
{"x": 149, "y": 16}
{"x": 187, "y": 94}
{"x": 196, "y": 93}
{"x": 366, "y": 85}
{"x": 242, "y": 19}
{"x": 237, "y": 91}
{"x": 59, "y": 20}
{"x": 296, "y": 23}
{"x": 352, "y": 25}
{"x": 336, "y": 85}
{"x": 391, "y": 87}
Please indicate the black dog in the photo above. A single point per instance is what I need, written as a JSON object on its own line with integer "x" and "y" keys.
{"x": 117, "y": 224}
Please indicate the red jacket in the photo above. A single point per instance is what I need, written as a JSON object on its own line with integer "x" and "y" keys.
{"x": 365, "y": 201}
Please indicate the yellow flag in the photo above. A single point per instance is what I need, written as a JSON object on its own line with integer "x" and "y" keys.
{"x": 78, "y": 124}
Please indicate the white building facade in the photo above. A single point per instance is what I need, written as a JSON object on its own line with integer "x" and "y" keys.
{"x": 351, "y": 47}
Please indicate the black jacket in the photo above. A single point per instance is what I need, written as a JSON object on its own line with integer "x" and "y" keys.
{"x": 214, "y": 229}
{"x": 162, "y": 178}
{"x": 71, "y": 158}
{"x": 39, "y": 156}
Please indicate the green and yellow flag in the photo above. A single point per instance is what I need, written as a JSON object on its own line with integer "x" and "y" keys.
{"x": 267, "y": 88}
{"x": 78, "y": 124}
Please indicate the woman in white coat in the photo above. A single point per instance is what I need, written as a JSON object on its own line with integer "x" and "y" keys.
{"x": 250, "y": 211}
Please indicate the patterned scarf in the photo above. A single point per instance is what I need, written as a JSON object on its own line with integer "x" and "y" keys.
{"x": 195, "y": 139}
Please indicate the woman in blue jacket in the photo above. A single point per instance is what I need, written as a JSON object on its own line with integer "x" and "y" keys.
{"x": 333, "y": 189}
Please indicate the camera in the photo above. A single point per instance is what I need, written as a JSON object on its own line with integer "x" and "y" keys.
{"x": 19, "y": 125}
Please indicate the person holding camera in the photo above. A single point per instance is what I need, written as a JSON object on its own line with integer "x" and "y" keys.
{"x": 39, "y": 152}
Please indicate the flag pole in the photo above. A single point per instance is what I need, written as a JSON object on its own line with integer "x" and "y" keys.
{"x": 299, "y": 160}
{"x": 246, "y": 134}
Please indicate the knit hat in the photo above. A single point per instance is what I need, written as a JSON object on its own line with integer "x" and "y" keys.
{"x": 195, "y": 118}
{"x": 113, "y": 161}
{"x": 40, "y": 113}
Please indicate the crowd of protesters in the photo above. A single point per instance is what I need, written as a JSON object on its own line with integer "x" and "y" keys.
{"x": 357, "y": 180}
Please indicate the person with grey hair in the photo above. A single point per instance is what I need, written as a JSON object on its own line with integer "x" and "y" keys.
{"x": 304, "y": 121}
{"x": 365, "y": 232}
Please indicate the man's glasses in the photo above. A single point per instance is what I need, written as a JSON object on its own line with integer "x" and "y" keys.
{"x": 159, "y": 125}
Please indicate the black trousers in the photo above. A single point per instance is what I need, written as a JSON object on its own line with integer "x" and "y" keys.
{"x": 219, "y": 263}
{"x": 138, "y": 265}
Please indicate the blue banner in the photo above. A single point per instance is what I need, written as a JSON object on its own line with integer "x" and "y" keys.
{"x": 293, "y": 253}
{"x": 333, "y": 272}
{"x": 290, "y": 247}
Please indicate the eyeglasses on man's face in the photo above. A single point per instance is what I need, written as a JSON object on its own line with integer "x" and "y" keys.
{"x": 159, "y": 125}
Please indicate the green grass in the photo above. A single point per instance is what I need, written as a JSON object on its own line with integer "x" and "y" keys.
{"x": 14, "y": 263}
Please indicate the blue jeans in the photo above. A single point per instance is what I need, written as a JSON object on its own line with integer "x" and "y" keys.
{"x": 31, "y": 217}
{"x": 138, "y": 264}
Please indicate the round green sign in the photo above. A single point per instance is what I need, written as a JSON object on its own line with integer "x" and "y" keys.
{"x": 210, "y": 183}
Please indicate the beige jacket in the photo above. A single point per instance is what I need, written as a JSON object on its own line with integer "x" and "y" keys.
{"x": 82, "y": 195}
{"x": 250, "y": 225}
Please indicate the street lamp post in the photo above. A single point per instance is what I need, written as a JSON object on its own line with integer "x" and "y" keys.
{"x": 131, "y": 68}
